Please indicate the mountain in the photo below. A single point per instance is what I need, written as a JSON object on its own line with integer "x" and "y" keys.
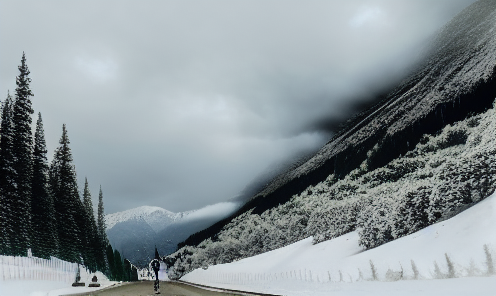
{"x": 136, "y": 232}
{"x": 421, "y": 154}
{"x": 156, "y": 217}
{"x": 341, "y": 267}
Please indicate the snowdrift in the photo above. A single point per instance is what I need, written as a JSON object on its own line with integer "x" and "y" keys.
{"x": 460, "y": 247}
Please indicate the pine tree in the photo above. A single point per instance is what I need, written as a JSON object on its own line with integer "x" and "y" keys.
{"x": 44, "y": 236}
{"x": 95, "y": 247}
{"x": 111, "y": 273}
{"x": 22, "y": 147}
{"x": 81, "y": 219}
{"x": 101, "y": 218}
{"x": 8, "y": 188}
{"x": 103, "y": 261}
{"x": 63, "y": 185}
{"x": 119, "y": 268}
{"x": 127, "y": 270}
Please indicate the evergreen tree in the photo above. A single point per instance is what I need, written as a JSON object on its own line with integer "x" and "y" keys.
{"x": 111, "y": 273}
{"x": 63, "y": 185}
{"x": 101, "y": 218}
{"x": 44, "y": 236}
{"x": 119, "y": 268}
{"x": 127, "y": 271}
{"x": 22, "y": 147}
{"x": 95, "y": 248}
{"x": 82, "y": 224}
{"x": 8, "y": 188}
{"x": 102, "y": 261}
{"x": 134, "y": 274}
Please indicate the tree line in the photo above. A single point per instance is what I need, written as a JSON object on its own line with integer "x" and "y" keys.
{"x": 41, "y": 208}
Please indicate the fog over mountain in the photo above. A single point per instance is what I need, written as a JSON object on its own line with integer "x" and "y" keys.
{"x": 136, "y": 232}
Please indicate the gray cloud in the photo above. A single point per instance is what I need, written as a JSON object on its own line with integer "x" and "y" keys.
{"x": 181, "y": 104}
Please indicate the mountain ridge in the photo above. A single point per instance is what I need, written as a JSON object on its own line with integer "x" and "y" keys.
{"x": 136, "y": 232}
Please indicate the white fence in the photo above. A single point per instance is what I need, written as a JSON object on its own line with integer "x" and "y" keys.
{"x": 32, "y": 268}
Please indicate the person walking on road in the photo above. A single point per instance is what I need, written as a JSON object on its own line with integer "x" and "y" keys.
{"x": 156, "y": 267}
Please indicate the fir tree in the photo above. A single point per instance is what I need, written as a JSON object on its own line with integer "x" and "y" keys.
{"x": 8, "y": 188}
{"x": 63, "y": 185}
{"x": 118, "y": 266}
{"x": 101, "y": 218}
{"x": 22, "y": 147}
{"x": 102, "y": 260}
{"x": 44, "y": 236}
{"x": 111, "y": 273}
{"x": 127, "y": 270}
{"x": 95, "y": 248}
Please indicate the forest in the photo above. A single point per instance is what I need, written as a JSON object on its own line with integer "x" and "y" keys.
{"x": 42, "y": 212}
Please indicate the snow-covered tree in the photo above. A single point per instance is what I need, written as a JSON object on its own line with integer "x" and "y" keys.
{"x": 22, "y": 144}
{"x": 8, "y": 188}
{"x": 103, "y": 263}
{"x": 44, "y": 238}
{"x": 63, "y": 185}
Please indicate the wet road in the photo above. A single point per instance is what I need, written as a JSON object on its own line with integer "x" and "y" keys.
{"x": 146, "y": 289}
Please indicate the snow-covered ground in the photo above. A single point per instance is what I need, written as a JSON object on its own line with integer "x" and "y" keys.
{"x": 447, "y": 258}
{"x": 23, "y": 276}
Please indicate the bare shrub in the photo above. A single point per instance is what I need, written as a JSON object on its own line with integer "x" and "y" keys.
{"x": 437, "y": 272}
{"x": 451, "y": 267}
{"x": 489, "y": 260}
{"x": 374, "y": 272}
{"x": 415, "y": 270}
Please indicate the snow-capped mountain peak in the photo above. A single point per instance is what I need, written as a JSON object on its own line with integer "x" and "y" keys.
{"x": 157, "y": 217}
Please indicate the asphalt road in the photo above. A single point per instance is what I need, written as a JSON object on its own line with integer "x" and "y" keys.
{"x": 146, "y": 289}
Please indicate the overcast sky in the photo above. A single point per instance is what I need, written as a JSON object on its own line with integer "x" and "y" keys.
{"x": 181, "y": 104}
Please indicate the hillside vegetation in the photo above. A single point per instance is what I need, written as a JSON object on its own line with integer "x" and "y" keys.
{"x": 423, "y": 153}
{"x": 443, "y": 175}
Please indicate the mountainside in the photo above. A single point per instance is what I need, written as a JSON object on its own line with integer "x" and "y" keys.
{"x": 457, "y": 78}
{"x": 340, "y": 266}
{"x": 422, "y": 154}
{"x": 136, "y": 232}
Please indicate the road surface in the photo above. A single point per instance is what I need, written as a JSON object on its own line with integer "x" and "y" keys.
{"x": 146, "y": 289}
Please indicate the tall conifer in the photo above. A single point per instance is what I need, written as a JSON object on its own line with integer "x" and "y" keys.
{"x": 103, "y": 259}
{"x": 22, "y": 147}
{"x": 63, "y": 185}
{"x": 44, "y": 236}
{"x": 8, "y": 188}
{"x": 95, "y": 249}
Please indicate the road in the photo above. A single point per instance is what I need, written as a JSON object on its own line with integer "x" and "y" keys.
{"x": 146, "y": 289}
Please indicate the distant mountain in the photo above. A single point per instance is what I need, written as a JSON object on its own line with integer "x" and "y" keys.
{"x": 156, "y": 217}
{"x": 136, "y": 232}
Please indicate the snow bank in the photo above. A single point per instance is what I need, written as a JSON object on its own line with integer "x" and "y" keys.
{"x": 31, "y": 276}
{"x": 340, "y": 267}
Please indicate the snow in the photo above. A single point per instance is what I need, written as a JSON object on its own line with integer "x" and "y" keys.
{"x": 31, "y": 276}
{"x": 303, "y": 268}
{"x": 158, "y": 218}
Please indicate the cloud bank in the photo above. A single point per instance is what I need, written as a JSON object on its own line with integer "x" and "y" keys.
{"x": 181, "y": 104}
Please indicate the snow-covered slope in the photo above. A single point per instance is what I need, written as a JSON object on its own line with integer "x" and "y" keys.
{"x": 420, "y": 156}
{"x": 456, "y": 79}
{"x": 341, "y": 267}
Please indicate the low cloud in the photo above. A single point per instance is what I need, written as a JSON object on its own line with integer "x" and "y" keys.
{"x": 180, "y": 105}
